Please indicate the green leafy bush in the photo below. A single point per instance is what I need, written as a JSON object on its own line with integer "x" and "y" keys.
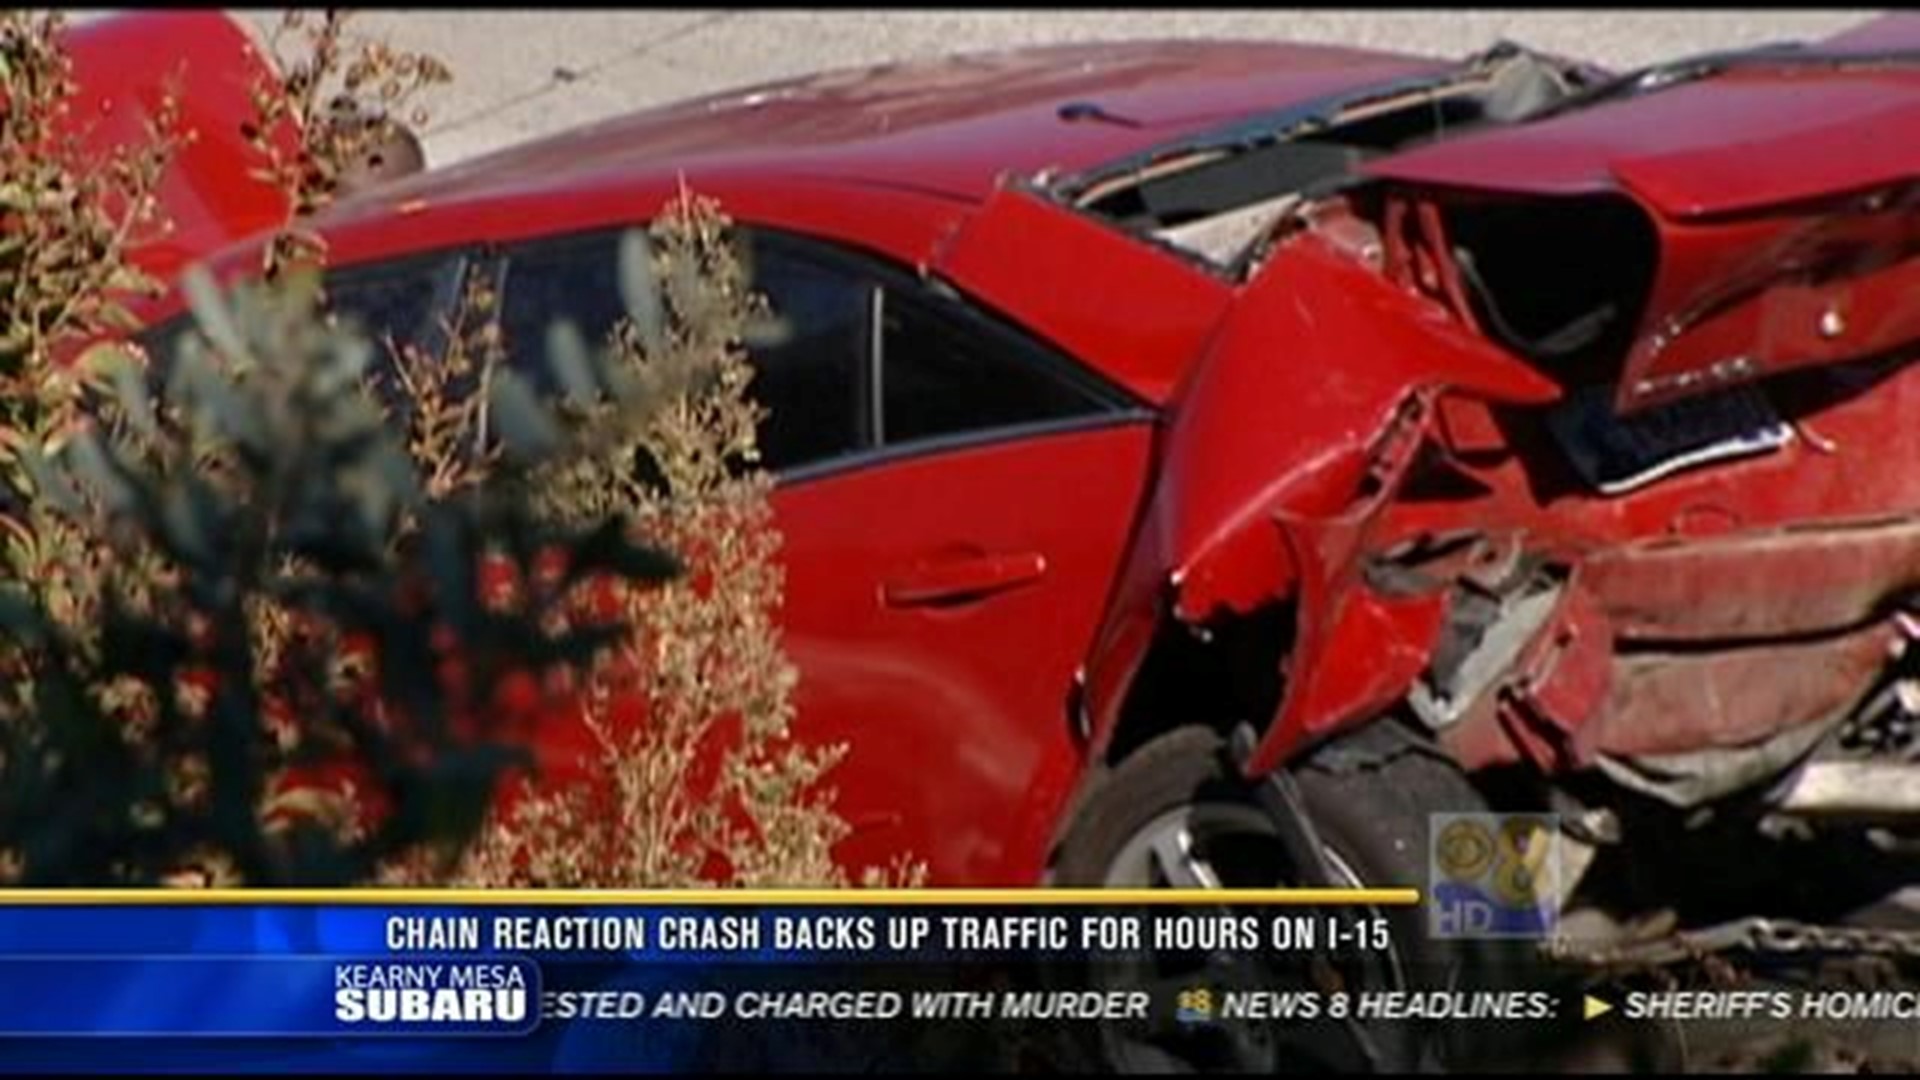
{"x": 166, "y": 737}
{"x": 255, "y": 629}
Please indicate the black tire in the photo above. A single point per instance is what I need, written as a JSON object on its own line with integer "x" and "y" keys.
{"x": 1368, "y": 797}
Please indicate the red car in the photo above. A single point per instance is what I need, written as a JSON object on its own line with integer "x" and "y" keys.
{"x": 1200, "y": 462}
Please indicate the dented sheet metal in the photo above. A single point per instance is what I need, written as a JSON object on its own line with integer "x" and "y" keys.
{"x": 1784, "y": 583}
{"x": 1574, "y": 697}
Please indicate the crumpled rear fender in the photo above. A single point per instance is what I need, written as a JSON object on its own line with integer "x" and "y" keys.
{"x": 1355, "y": 650}
{"x": 1291, "y": 433}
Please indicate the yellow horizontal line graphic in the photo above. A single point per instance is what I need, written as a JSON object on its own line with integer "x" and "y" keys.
{"x": 718, "y": 897}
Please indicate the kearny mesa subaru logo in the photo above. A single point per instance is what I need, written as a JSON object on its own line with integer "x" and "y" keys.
{"x": 495, "y": 996}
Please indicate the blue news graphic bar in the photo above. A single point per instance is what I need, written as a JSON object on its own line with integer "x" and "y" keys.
{"x": 656, "y": 983}
{"x": 277, "y": 996}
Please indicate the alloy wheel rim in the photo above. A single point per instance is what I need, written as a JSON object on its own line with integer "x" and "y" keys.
{"x": 1212, "y": 845}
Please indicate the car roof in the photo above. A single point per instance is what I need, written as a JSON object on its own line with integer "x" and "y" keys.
{"x": 1729, "y": 132}
{"x": 895, "y": 161}
{"x": 936, "y": 134}
{"x": 1777, "y": 129}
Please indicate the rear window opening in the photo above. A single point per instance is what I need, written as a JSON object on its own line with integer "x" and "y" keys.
{"x": 1562, "y": 282}
{"x": 1217, "y": 198}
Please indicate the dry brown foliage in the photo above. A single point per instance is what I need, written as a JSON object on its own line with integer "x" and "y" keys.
{"x": 339, "y": 102}
{"x": 691, "y": 772}
{"x": 70, "y": 217}
{"x": 692, "y": 775}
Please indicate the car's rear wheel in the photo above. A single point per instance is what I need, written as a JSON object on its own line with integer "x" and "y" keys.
{"x": 1177, "y": 814}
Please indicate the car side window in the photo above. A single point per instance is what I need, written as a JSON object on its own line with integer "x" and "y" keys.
{"x": 811, "y": 378}
{"x": 575, "y": 279}
{"x": 399, "y": 305}
{"x": 865, "y": 355}
{"x": 944, "y": 374}
{"x": 405, "y": 302}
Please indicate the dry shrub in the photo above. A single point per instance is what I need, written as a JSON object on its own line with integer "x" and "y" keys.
{"x": 338, "y": 108}
{"x": 690, "y": 772}
{"x": 265, "y": 478}
{"x": 71, "y": 215}
{"x": 214, "y": 592}
{"x": 69, "y": 219}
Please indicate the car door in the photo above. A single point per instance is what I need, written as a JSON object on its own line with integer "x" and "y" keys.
{"x": 954, "y": 498}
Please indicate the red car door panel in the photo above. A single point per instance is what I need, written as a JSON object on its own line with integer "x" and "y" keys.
{"x": 938, "y": 607}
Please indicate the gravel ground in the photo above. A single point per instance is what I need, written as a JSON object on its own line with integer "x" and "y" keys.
{"x": 520, "y": 74}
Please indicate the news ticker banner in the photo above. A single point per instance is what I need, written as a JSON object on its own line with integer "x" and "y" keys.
{"x": 394, "y": 980}
{"x": 389, "y": 980}
{"x": 983, "y": 980}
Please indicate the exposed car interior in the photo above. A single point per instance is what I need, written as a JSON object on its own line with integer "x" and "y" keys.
{"x": 1573, "y": 311}
{"x": 1562, "y": 281}
{"x": 1216, "y": 198}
